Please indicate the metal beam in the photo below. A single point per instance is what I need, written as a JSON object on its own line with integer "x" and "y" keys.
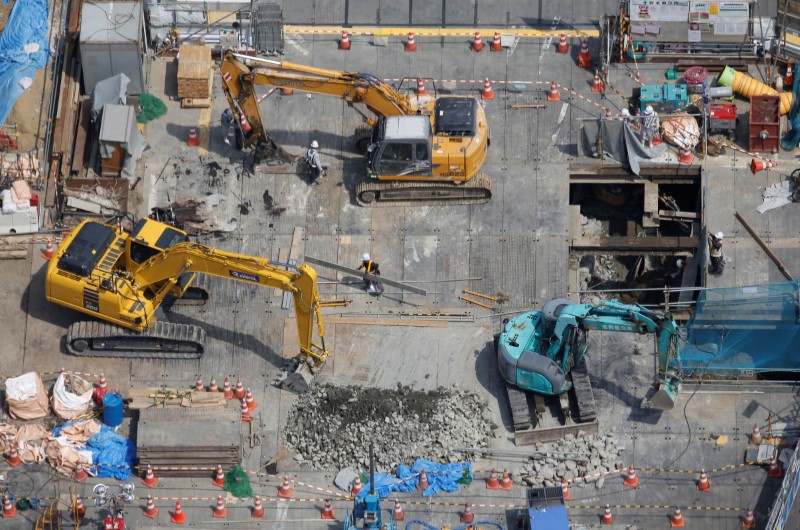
{"x": 641, "y": 244}
{"x": 365, "y": 276}
{"x": 647, "y": 171}
{"x": 767, "y": 250}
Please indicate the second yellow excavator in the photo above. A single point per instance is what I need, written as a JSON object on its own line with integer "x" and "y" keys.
{"x": 420, "y": 147}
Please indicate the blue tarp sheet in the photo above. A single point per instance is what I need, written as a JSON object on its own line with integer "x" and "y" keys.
{"x": 113, "y": 455}
{"x": 27, "y": 25}
{"x": 441, "y": 477}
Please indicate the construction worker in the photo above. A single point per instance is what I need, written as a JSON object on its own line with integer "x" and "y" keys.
{"x": 715, "y": 250}
{"x": 650, "y": 126}
{"x": 679, "y": 266}
{"x": 370, "y": 267}
{"x": 314, "y": 163}
{"x": 625, "y": 114}
{"x": 227, "y": 121}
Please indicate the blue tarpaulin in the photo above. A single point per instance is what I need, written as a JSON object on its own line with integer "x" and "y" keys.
{"x": 441, "y": 477}
{"x": 113, "y": 455}
{"x": 23, "y": 50}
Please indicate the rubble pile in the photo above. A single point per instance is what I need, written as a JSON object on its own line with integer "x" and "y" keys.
{"x": 332, "y": 426}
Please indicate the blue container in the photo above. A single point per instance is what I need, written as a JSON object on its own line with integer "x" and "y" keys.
{"x": 112, "y": 409}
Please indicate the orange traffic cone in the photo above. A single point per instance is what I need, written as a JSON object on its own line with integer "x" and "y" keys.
{"x": 258, "y": 509}
{"x": 607, "y": 517}
{"x": 79, "y": 507}
{"x": 565, "y": 490}
{"x": 749, "y": 520}
{"x": 487, "y": 93}
{"x": 703, "y": 484}
{"x": 227, "y": 392}
{"x": 398, "y": 513}
{"x": 178, "y": 517}
{"x": 13, "y": 459}
{"x": 554, "y": 94}
{"x": 239, "y": 392}
{"x": 410, "y": 45}
{"x": 423, "y": 483}
{"x": 198, "y": 385}
{"x": 220, "y": 511}
{"x": 344, "y": 44}
{"x": 676, "y": 520}
{"x": 49, "y": 250}
{"x": 775, "y": 470}
{"x": 467, "y": 516}
{"x": 251, "y": 403}
{"x": 245, "y": 125}
{"x": 492, "y": 483}
{"x": 788, "y": 79}
{"x": 357, "y": 487}
{"x": 219, "y": 478}
{"x": 563, "y": 47}
{"x": 213, "y": 386}
{"x": 685, "y": 156}
{"x": 756, "y": 166}
{"x": 477, "y": 43}
{"x": 496, "y": 44}
{"x": 631, "y": 480}
{"x": 194, "y": 140}
{"x": 421, "y": 89}
{"x": 505, "y": 481}
{"x": 597, "y": 83}
{"x": 9, "y": 510}
{"x": 246, "y": 417}
{"x": 80, "y": 474}
{"x": 287, "y": 91}
{"x": 151, "y": 511}
{"x": 584, "y": 56}
{"x": 285, "y": 490}
{"x": 100, "y": 391}
{"x": 327, "y": 511}
{"x": 150, "y": 480}
{"x": 755, "y": 438}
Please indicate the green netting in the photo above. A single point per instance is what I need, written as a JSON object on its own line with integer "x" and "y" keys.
{"x": 152, "y": 108}
{"x": 466, "y": 477}
{"x": 238, "y": 483}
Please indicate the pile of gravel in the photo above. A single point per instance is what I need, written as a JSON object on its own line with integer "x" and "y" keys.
{"x": 331, "y": 426}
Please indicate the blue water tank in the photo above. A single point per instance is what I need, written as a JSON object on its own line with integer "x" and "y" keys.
{"x": 112, "y": 409}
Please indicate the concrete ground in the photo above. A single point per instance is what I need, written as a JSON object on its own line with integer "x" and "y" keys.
{"x": 515, "y": 245}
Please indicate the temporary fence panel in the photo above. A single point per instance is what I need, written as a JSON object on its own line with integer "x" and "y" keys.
{"x": 784, "y": 500}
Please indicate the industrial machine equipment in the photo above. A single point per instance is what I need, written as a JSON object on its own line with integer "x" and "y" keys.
{"x": 663, "y": 98}
{"x": 722, "y": 119}
{"x": 123, "y": 278}
{"x": 544, "y": 352}
{"x": 420, "y": 148}
{"x": 368, "y": 508}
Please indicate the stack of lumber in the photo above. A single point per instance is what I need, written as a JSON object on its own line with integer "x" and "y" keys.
{"x": 145, "y": 398}
{"x": 184, "y": 438}
{"x": 195, "y": 75}
{"x": 14, "y": 247}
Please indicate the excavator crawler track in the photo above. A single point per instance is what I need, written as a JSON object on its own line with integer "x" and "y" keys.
{"x": 163, "y": 340}
{"x": 409, "y": 193}
{"x": 520, "y": 412}
{"x": 584, "y": 397}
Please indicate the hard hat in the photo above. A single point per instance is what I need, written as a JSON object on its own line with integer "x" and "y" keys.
{"x": 679, "y": 263}
{"x": 648, "y": 110}
{"x": 314, "y": 144}
{"x": 626, "y": 112}
{"x": 718, "y": 235}
{"x": 365, "y": 256}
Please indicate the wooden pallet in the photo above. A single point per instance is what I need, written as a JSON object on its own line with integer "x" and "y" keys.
{"x": 195, "y": 69}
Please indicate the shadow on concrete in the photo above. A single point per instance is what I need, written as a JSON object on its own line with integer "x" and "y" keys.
{"x": 171, "y": 79}
{"x": 490, "y": 379}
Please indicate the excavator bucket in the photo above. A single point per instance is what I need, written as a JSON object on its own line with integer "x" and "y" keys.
{"x": 665, "y": 396}
{"x": 300, "y": 380}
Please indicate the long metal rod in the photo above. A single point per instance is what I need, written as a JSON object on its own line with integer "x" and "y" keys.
{"x": 365, "y": 276}
{"x": 409, "y": 281}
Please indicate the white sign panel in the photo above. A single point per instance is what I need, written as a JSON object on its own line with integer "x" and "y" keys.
{"x": 719, "y": 11}
{"x": 660, "y": 10}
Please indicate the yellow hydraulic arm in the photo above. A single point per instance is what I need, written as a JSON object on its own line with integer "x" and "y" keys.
{"x": 161, "y": 272}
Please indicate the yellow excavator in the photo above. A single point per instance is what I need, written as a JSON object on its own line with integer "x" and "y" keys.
{"x": 418, "y": 148}
{"x": 123, "y": 278}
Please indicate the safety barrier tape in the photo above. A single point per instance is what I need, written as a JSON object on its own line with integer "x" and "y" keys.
{"x": 656, "y": 507}
{"x": 367, "y": 31}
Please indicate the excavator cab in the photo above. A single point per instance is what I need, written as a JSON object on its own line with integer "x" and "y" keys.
{"x": 401, "y": 147}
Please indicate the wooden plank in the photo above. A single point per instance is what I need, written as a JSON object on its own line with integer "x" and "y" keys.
{"x": 195, "y": 70}
{"x": 79, "y": 154}
{"x": 298, "y": 247}
{"x": 678, "y": 215}
{"x": 414, "y": 323}
{"x": 283, "y": 257}
{"x": 765, "y": 248}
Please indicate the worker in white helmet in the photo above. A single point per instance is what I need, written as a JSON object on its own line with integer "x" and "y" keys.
{"x": 370, "y": 267}
{"x": 315, "y": 165}
{"x": 679, "y": 266}
{"x": 715, "y": 251}
{"x": 650, "y": 126}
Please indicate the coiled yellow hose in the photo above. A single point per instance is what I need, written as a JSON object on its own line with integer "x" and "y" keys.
{"x": 744, "y": 85}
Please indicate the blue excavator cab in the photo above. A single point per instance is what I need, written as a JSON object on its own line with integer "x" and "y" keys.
{"x": 792, "y": 138}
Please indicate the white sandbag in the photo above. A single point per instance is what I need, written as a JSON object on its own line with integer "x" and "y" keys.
{"x": 72, "y": 402}
{"x": 26, "y": 397}
{"x": 8, "y": 202}
{"x": 21, "y": 388}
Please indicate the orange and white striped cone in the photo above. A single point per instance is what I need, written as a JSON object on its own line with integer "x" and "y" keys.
{"x": 411, "y": 44}
{"x": 80, "y": 474}
{"x": 286, "y": 91}
{"x": 565, "y": 490}
{"x": 220, "y": 511}
{"x": 676, "y": 520}
{"x": 193, "y": 140}
{"x": 327, "y": 511}
{"x": 356, "y": 487}
{"x": 258, "y": 509}
{"x": 79, "y": 508}
{"x": 151, "y": 511}
{"x": 398, "y": 512}
{"x": 245, "y": 125}
{"x": 788, "y": 79}
{"x": 505, "y": 481}
{"x": 467, "y": 516}
{"x": 477, "y": 43}
{"x": 775, "y": 470}
{"x": 178, "y": 517}
{"x": 248, "y": 399}
{"x": 239, "y": 391}
{"x": 344, "y": 44}
{"x": 493, "y": 483}
{"x": 9, "y": 510}
{"x": 757, "y": 165}
{"x": 49, "y": 251}
{"x": 631, "y": 480}
{"x": 150, "y": 480}
{"x": 703, "y": 483}
{"x": 198, "y": 385}
{"x": 756, "y": 438}
{"x": 423, "y": 483}
{"x": 227, "y": 391}
{"x": 497, "y": 43}
{"x": 13, "y": 459}
{"x": 562, "y": 47}
{"x": 487, "y": 93}
{"x": 584, "y": 55}
{"x": 219, "y": 478}
{"x": 285, "y": 489}
{"x": 246, "y": 417}
{"x": 213, "y": 386}
{"x": 421, "y": 88}
{"x": 597, "y": 83}
{"x": 685, "y": 156}
{"x": 749, "y": 520}
{"x": 607, "y": 517}
{"x": 554, "y": 94}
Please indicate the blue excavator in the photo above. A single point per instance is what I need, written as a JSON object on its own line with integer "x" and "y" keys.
{"x": 792, "y": 138}
{"x": 544, "y": 352}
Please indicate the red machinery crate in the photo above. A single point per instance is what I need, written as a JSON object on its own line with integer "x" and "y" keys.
{"x": 765, "y": 124}
{"x": 722, "y": 118}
